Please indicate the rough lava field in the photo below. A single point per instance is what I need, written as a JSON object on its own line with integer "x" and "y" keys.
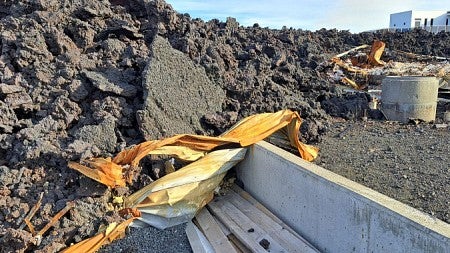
{"x": 81, "y": 79}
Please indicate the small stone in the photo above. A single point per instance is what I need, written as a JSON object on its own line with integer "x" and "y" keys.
{"x": 438, "y": 126}
{"x": 17, "y": 100}
{"x": 110, "y": 83}
{"x": 15, "y": 214}
{"x": 102, "y": 135}
{"x": 8, "y": 89}
{"x": 21, "y": 192}
{"x": 77, "y": 91}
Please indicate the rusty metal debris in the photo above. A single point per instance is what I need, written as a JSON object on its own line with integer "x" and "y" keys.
{"x": 348, "y": 68}
{"x": 352, "y": 83}
{"x": 51, "y": 223}
{"x": 351, "y": 50}
{"x": 421, "y": 57}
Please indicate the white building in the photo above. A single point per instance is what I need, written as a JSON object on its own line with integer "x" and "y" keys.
{"x": 434, "y": 21}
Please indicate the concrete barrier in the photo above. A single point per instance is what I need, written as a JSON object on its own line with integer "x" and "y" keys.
{"x": 334, "y": 213}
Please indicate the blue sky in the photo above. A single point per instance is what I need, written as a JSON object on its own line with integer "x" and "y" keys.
{"x": 353, "y": 15}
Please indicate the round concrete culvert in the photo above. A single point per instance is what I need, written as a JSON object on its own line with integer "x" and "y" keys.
{"x": 409, "y": 97}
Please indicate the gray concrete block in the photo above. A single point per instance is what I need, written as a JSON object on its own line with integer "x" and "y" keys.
{"x": 334, "y": 213}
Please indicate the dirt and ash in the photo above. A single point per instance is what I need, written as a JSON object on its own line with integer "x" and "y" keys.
{"x": 81, "y": 79}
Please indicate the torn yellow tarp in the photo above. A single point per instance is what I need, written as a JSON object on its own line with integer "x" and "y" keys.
{"x": 197, "y": 143}
{"x": 190, "y": 147}
{"x": 104, "y": 171}
{"x": 185, "y": 191}
{"x": 376, "y": 52}
{"x": 176, "y": 197}
{"x": 94, "y": 243}
{"x": 213, "y": 164}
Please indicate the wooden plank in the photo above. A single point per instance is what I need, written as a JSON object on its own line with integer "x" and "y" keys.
{"x": 234, "y": 228}
{"x": 249, "y": 230}
{"x": 197, "y": 240}
{"x": 213, "y": 233}
{"x": 238, "y": 245}
{"x": 267, "y": 212}
{"x": 261, "y": 207}
{"x": 224, "y": 229}
{"x": 284, "y": 237}
{"x": 248, "y": 225}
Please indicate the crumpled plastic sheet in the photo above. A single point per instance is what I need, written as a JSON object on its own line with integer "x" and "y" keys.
{"x": 176, "y": 197}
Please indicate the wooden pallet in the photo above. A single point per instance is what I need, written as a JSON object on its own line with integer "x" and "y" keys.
{"x": 237, "y": 222}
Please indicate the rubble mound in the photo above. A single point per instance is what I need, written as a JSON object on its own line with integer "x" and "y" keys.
{"x": 81, "y": 79}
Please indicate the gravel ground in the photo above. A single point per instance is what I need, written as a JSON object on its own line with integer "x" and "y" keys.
{"x": 152, "y": 240}
{"x": 410, "y": 163}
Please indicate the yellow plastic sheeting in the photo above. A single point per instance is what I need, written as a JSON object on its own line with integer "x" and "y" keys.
{"x": 178, "y": 204}
{"x": 376, "y": 52}
{"x": 104, "y": 171}
{"x": 177, "y": 196}
{"x": 194, "y": 142}
{"x": 182, "y": 153}
{"x": 258, "y": 127}
{"x": 184, "y": 192}
{"x": 112, "y": 232}
{"x": 165, "y": 190}
{"x": 190, "y": 147}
